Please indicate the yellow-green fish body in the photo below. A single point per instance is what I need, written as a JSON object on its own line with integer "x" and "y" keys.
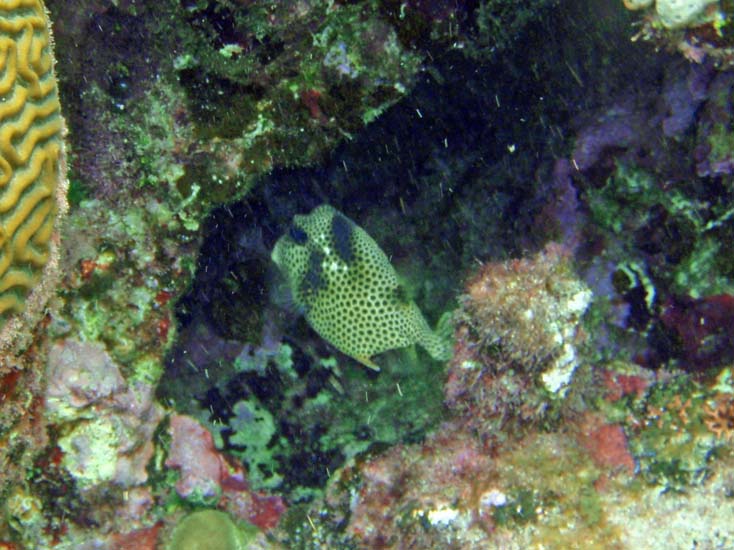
{"x": 347, "y": 288}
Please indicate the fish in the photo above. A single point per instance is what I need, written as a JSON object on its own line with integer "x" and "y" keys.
{"x": 348, "y": 290}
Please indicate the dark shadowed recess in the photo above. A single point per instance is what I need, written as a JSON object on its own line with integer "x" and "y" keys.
{"x": 453, "y": 170}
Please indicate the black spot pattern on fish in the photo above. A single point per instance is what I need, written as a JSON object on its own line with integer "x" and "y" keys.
{"x": 341, "y": 233}
{"x": 313, "y": 280}
{"x": 400, "y": 295}
{"x": 298, "y": 235}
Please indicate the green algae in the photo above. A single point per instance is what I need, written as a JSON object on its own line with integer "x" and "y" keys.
{"x": 253, "y": 428}
{"x": 629, "y": 204}
{"x": 670, "y": 439}
{"x": 549, "y": 482}
{"x": 349, "y": 414}
{"x": 293, "y": 86}
{"x": 398, "y": 406}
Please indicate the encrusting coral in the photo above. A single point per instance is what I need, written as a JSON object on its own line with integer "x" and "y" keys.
{"x": 347, "y": 288}
{"x": 32, "y": 166}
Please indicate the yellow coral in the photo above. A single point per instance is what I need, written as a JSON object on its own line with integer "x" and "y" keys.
{"x": 347, "y": 288}
{"x": 31, "y": 155}
{"x": 211, "y": 530}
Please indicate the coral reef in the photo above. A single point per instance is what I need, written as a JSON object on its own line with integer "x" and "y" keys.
{"x": 291, "y": 418}
{"x": 653, "y": 173}
{"x": 100, "y": 438}
{"x": 247, "y": 89}
{"x": 207, "y": 478}
{"x": 170, "y": 381}
{"x": 450, "y": 492}
{"x": 553, "y": 489}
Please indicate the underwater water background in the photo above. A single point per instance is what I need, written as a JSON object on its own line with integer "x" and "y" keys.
{"x": 370, "y": 274}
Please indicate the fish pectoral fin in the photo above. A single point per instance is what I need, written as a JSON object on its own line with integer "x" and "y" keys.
{"x": 367, "y": 362}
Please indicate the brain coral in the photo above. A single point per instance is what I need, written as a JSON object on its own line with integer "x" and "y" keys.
{"x": 347, "y": 288}
{"x": 32, "y": 167}
{"x": 210, "y": 530}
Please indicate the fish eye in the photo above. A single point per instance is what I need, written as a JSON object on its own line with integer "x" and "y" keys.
{"x": 298, "y": 234}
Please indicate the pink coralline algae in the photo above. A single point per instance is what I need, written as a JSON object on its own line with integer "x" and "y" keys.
{"x": 205, "y": 474}
{"x": 192, "y": 452}
{"x": 79, "y": 375}
{"x": 108, "y": 422}
{"x": 261, "y": 510}
{"x": 619, "y": 385}
{"x": 607, "y": 445}
{"x": 140, "y": 539}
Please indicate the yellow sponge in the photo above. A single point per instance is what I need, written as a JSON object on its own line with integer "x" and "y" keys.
{"x": 31, "y": 151}
{"x": 347, "y": 288}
